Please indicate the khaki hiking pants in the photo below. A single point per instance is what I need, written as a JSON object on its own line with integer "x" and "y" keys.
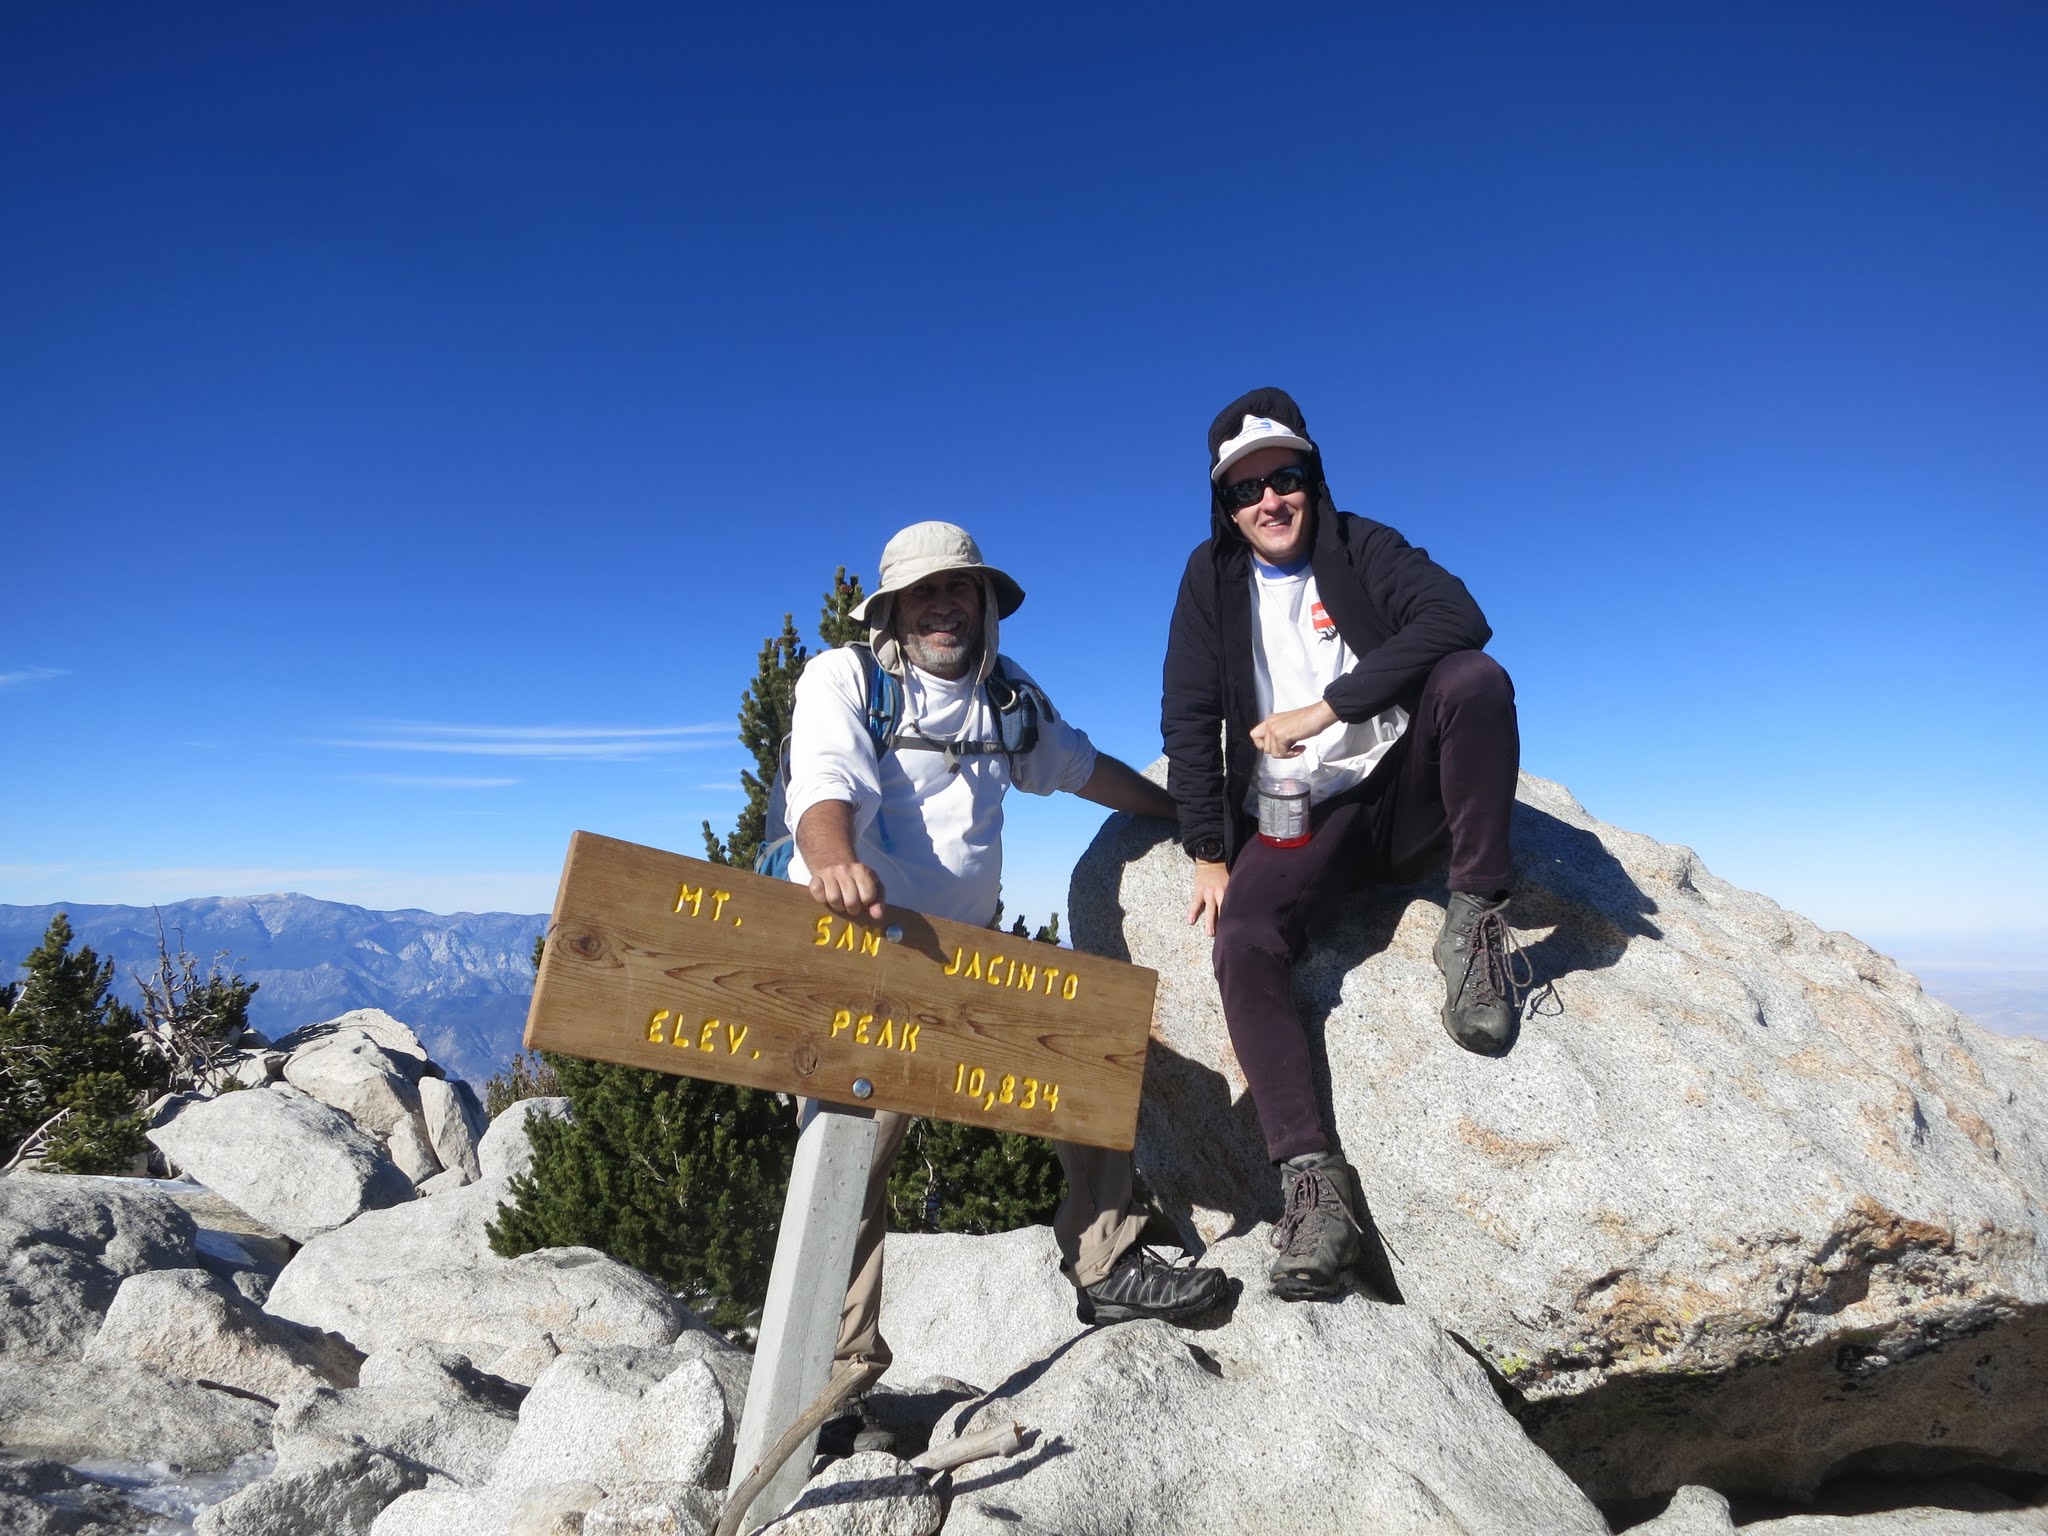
{"x": 1096, "y": 1223}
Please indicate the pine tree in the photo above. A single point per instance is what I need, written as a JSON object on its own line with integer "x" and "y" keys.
{"x": 62, "y": 1025}
{"x": 102, "y": 1133}
{"x": 766, "y": 709}
{"x": 676, "y": 1176}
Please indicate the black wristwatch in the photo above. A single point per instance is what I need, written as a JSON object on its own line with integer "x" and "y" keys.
{"x": 1209, "y": 850}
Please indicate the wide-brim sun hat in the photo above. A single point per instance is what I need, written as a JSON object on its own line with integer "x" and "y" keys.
{"x": 931, "y": 549}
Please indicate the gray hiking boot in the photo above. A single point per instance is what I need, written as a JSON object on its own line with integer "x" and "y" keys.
{"x": 1144, "y": 1285}
{"x": 1318, "y": 1230}
{"x": 1485, "y": 972}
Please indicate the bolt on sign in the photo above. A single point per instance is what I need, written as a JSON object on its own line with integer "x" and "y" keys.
{"x": 657, "y": 960}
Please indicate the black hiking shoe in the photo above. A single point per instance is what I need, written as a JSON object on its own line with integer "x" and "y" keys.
{"x": 854, "y": 1428}
{"x": 1318, "y": 1230}
{"x": 1144, "y": 1285}
{"x": 1486, "y": 974}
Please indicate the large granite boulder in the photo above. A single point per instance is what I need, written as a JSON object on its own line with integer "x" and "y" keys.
{"x": 66, "y": 1244}
{"x": 1741, "y": 1206}
{"x": 71, "y": 1411}
{"x": 338, "y": 1494}
{"x": 372, "y": 1026}
{"x": 613, "y": 1416}
{"x": 455, "y": 1122}
{"x": 191, "y": 1324}
{"x": 1281, "y": 1416}
{"x": 871, "y": 1493}
{"x": 424, "y": 1273}
{"x": 935, "y": 1279}
{"x": 506, "y": 1148}
{"x": 424, "y": 1406}
{"x": 287, "y": 1159}
{"x": 375, "y": 1087}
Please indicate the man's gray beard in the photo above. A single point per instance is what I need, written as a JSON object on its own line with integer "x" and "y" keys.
{"x": 921, "y": 655}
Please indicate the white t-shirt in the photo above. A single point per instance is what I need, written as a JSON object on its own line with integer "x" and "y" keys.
{"x": 1296, "y": 654}
{"x": 933, "y": 834}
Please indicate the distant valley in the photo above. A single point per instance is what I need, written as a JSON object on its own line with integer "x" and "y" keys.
{"x": 462, "y": 981}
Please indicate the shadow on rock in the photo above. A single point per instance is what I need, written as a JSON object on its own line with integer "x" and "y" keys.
{"x": 1569, "y": 882}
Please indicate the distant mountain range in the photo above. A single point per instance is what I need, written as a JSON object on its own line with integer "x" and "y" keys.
{"x": 462, "y": 981}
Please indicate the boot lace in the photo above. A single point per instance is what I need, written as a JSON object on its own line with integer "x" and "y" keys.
{"x": 1309, "y": 1201}
{"x": 1506, "y": 974}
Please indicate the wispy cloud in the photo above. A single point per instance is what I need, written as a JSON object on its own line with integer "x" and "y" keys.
{"x": 28, "y": 675}
{"x": 735, "y": 788}
{"x": 430, "y": 781}
{"x": 547, "y": 742}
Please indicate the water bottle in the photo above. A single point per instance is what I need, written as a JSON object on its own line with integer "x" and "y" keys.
{"x": 1283, "y": 803}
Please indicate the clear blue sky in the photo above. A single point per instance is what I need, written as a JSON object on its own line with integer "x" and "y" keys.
{"x": 412, "y": 417}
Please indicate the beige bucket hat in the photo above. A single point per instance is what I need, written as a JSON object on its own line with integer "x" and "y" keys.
{"x": 926, "y": 549}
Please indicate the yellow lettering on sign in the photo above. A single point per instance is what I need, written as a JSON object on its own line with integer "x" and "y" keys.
{"x": 851, "y": 938}
{"x": 892, "y": 1036}
{"x": 735, "y": 1039}
{"x": 1002, "y": 971}
{"x": 704, "y": 1034}
{"x": 654, "y": 1023}
{"x": 692, "y": 897}
{"x": 977, "y": 1085}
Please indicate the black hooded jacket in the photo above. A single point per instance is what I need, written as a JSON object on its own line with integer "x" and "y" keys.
{"x": 1398, "y": 611}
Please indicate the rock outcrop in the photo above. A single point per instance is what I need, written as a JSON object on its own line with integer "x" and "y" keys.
{"x": 1741, "y": 1211}
{"x": 1278, "y": 1417}
{"x": 66, "y": 1245}
{"x": 286, "y": 1158}
{"x": 1741, "y": 1206}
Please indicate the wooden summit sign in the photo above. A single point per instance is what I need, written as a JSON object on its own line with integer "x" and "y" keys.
{"x": 656, "y": 960}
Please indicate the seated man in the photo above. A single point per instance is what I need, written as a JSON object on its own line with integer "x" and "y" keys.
{"x": 1353, "y": 663}
{"x": 920, "y": 824}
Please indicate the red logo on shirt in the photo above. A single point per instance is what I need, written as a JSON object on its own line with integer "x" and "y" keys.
{"x": 1323, "y": 622}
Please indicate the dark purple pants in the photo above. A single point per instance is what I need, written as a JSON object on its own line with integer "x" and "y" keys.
{"x": 1450, "y": 779}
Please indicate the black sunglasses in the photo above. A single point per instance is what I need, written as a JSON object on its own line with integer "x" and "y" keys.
{"x": 1240, "y": 494}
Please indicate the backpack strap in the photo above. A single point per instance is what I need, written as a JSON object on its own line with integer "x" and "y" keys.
{"x": 884, "y": 692}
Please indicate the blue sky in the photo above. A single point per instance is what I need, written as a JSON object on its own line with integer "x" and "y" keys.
{"x": 413, "y": 417}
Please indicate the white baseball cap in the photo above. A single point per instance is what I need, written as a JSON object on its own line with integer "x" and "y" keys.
{"x": 1258, "y": 432}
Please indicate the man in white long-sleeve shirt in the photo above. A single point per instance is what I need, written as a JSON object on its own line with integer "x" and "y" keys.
{"x": 921, "y": 825}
